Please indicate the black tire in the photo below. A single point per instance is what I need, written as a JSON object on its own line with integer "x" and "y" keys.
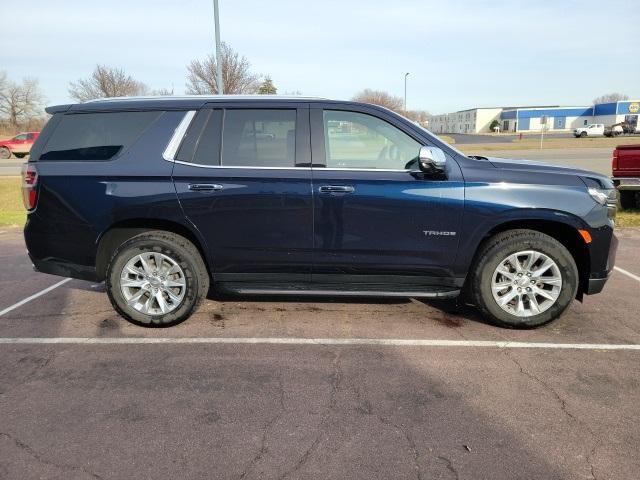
{"x": 499, "y": 247}
{"x": 20, "y": 155}
{"x": 178, "y": 248}
{"x": 5, "y": 153}
{"x": 629, "y": 199}
{"x": 583, "y": 134}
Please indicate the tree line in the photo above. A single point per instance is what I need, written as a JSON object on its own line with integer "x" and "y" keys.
{"x": 21, "y": 103}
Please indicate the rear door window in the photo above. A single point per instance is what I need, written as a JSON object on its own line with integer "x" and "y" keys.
{"x": 259, "y": 138}
{"x": 96, "y": 136}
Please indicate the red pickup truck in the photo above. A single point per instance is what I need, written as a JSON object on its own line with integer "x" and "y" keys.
{"x": 626, "y": 174}
{"x": 20, "y": 145}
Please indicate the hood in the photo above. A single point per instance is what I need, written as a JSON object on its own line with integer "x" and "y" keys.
{"x": 591, "y": 179}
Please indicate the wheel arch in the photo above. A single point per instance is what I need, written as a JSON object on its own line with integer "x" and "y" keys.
{"x": 121, "y": 231}
{"x": 565, "y": 233}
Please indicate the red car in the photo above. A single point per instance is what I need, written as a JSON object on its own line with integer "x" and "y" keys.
{"x": 626, "y": 174}
{"x": 20, "y": 145}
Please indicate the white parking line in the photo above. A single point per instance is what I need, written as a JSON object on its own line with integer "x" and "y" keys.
{"x": 628, "y": 274}
{"x": 314, "y": 341}
{"x": 34, "y": 296}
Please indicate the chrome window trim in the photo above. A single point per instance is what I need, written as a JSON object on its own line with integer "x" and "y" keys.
{"x": 170, "y": 151}
{"x": 239, "y": 166}
{"x": 363, "y": 169}
{"x": 320, "y": 169}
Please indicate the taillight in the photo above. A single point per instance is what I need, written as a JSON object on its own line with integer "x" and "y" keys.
{"x": 614, "y": 161}
{"x": 29, "y": 185}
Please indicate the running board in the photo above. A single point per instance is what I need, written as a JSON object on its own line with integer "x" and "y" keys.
{"x": 254, "y": 290}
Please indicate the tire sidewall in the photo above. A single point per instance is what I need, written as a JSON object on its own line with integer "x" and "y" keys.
{"x": 556, "y": 251}
{"x": 135, "y": 247}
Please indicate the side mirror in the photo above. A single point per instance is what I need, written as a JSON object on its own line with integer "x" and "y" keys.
{"x": 431, "y": 160}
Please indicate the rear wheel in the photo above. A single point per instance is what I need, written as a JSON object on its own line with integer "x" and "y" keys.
{"x": 524, "y": 279}
{"x": 5, "y": 153}
{"x": 20, "y": 155}
{"x": 157, "y": 279}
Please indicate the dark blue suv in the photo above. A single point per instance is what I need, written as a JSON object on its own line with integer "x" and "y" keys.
{"x": 163, "y": 197}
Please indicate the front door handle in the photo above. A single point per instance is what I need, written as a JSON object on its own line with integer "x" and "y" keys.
{"x": 205, "y": 187}
{"x": 337, "y": 189}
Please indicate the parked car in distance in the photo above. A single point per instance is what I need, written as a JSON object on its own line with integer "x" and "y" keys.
{"x": 20, "y": 145}
{"x": 593, "y": 130}
{"x": 626, "y": 174}
{"x": 622, "y": 128}
{"x": 613, "y": 131}
{"x": 161, "y": 198}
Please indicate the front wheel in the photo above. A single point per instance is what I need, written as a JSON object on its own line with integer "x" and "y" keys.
{"x": 523, "y": 279}
{"x": 583, "y": 134}
{"x": 156, "y": 279}
{"x": 5, "y": 153}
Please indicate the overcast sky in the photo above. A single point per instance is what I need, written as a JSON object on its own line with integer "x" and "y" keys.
{"x": 460, "y": 53}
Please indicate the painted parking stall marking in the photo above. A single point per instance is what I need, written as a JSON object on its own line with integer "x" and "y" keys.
{"x": 34, "y": 296}
{"x": 395, "y": 342}
{"x": 628, "y": 274}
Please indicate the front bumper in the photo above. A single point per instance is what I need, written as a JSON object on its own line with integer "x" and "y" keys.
{"x": 602, "y": 252}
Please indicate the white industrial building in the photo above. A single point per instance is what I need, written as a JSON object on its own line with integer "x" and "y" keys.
{"x": 531, "y": 119}
{"x": 474, "y": 120}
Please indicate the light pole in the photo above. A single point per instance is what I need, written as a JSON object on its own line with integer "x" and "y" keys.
{"x": 216, "y": 20}
{"x": 405, "y": 91}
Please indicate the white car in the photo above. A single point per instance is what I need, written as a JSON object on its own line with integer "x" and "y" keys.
{"x": 593, "y": 130}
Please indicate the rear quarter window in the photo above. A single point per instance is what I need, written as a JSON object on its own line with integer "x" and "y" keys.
{"x": 96, "y": 136}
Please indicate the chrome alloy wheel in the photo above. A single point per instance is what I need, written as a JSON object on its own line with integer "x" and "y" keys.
{"x": 153, "y": 283}
{"x": 526, "y": 283}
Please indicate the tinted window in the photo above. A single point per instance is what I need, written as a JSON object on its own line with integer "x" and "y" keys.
{"x": 259, "y": 138}
{"x": 22, "y": 136}
{"x": 357, "y": 140}
{"x": 208, "y": 146}
{"x": 96, "y": 136}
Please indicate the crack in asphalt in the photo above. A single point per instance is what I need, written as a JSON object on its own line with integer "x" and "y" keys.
{"x": 32, "y": 453}
{"x": 265, "y": 432}
{"x": 412, "y": 444}
{"x": 336, "y": 378}
{"x": 449, "y": 465}
{"x": 564, "y": 409}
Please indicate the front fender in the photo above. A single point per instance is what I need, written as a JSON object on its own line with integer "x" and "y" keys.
{"x": 489, "y": 205}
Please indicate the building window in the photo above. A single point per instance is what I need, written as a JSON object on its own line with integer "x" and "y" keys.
{"x": 585, "y": 123}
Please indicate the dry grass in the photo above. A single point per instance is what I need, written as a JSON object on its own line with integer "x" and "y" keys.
{"x": 12, "y": 212}
{"x": 628, "y": 218}
{"x": 447, "y": 139}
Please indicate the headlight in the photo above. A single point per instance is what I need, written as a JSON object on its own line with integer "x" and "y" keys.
{"x": 608, "y": 198}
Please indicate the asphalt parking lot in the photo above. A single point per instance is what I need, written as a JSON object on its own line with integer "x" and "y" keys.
{"x": 316, "y": 388}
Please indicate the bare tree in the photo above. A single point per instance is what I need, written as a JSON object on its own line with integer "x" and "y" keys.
{"x": 106, "y": 82}
{"x": 19, "y": 102}
{"x": 236, "y": 74}
{"x": 379, "y": 97}
{"x": 162, "y": 92}
{"x": 418, "y": 116}
{"x": 610, "y": 98}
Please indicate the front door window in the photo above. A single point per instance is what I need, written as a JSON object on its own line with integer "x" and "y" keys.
{"x": 359, "y": 141}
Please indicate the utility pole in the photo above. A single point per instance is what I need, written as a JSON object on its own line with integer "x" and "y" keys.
{"x": 216, "y": 19}
{"x": 405, "y": 91}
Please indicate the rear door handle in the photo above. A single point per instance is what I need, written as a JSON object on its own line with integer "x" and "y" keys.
{"x": 337, "y": 189}
{"x": 205, "y": 187}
